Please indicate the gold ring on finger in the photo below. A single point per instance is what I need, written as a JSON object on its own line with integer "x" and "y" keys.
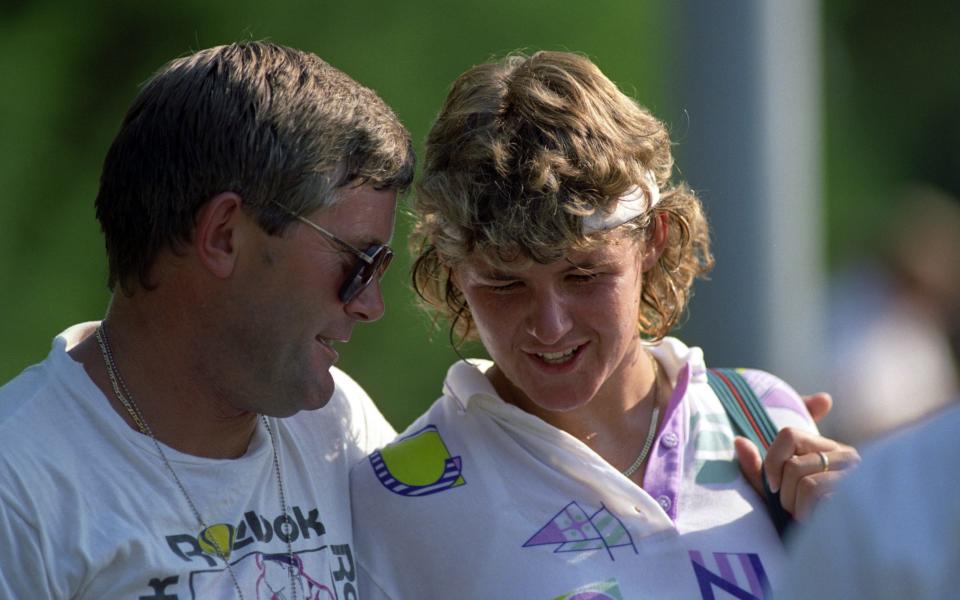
{"x": 824, "y": 461}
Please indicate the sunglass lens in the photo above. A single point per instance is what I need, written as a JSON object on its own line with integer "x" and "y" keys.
{"x": 364, "y": 272}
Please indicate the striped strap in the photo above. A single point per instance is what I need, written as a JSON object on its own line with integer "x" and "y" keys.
{"x": 743, "y": 407}
{"x": 751, "y": 420}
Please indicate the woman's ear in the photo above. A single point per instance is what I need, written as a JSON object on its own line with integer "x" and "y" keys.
{"x": 656, "y": 240}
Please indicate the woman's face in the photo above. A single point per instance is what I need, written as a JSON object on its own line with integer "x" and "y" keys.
{"x": 563, "y": 332}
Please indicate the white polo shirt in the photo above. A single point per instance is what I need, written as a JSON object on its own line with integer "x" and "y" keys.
{"x": 479, "y": 499}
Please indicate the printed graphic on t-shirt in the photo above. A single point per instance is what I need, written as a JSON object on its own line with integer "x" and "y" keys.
{"x": 252, "y": 529}
{"x": 324, "y": 573}
{"x": 573, "y": 530}
{"x": 271, "y": 577}
{"x": 319, "y": 572}
{"x": 601, "y": 590}
{"x": 738, "y": 574}
{"x": 418, "y": 465}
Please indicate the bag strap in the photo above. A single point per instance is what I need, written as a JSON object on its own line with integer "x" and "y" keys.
{"x": 743, "y": 407}
{"x": 751, "y": 420}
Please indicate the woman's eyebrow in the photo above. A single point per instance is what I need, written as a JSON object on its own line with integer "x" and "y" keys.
{"x": 588, "y": 264}
{"x": 496, "y": 275}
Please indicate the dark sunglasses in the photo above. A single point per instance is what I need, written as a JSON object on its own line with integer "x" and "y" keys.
{"x": 373, "y": 262}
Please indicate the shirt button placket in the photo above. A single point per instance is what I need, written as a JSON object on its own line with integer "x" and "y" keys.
{"x": 665, "y": 502}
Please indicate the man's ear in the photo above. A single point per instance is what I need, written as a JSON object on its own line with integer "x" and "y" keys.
{"x": 216, "y": 233}
{"x": 656, "y": 240}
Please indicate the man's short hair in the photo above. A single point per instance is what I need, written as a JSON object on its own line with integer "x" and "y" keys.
{"x": 267, "y": 122}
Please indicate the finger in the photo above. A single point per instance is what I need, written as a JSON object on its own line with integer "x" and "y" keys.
{"x": 804, "y": 470}
{"x": 818, "y": 405}
{"x": 791, "y": 441}
{"x": 750, "y": 462}
{"x": 813, "y": 490}
{"x": 797, "y": 470}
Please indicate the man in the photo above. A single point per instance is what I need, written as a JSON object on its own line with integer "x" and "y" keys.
{"x": 246, "y": 204}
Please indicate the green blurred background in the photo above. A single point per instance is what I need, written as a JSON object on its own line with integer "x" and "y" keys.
{"x": 891, "y": 100}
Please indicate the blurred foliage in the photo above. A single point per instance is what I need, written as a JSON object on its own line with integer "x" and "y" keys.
{"x": 892, "y": 113}
{"x": 71, "y": 69}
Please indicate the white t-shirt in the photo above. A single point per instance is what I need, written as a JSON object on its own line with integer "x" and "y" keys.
{"x": 893, "y": 528}
{"x": 89, "y": 510}
{"x": 478, "y": 499}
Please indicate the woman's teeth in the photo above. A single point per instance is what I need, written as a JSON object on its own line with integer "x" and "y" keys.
{"x": 557, "y": 357}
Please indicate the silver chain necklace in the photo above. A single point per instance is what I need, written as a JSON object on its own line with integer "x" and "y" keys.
{"x": 652, "y": 432}
{"x": 126, "y": 399}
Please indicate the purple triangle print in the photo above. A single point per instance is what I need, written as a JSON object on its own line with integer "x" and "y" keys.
{"x": 573, "y": 530}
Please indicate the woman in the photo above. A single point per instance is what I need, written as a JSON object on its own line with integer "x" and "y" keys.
{"x": 590, "y": 458}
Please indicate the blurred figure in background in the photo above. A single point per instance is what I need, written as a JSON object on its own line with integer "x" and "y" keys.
{"x": 892, "y": 323}
{"x": 893, "y": 526}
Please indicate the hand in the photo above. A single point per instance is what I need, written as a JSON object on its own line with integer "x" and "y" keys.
{"x": 794, "y": 466}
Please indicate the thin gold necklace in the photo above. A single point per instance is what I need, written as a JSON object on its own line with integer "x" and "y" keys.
{"x": 126, "y": 399}
{"x": 652, "y": 432}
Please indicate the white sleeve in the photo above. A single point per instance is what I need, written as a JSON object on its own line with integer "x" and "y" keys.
{"x": 367, "y": 588}
{"x": 23, "y": 570}
{"x": 368, "y": 426}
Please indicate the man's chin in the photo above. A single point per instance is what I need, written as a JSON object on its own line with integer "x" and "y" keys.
{"x": 314, "y": 396}
{"x": 321, "y": 394}
{"x": 317, "y": 402}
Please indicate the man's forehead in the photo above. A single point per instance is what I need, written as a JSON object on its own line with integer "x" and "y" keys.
{"x": 362, "y": 213}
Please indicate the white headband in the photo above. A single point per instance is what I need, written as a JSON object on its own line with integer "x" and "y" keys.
{"x": 628, "y": 206}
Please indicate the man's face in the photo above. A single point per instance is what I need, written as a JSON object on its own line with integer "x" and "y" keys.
{"x": 289, "y": 317}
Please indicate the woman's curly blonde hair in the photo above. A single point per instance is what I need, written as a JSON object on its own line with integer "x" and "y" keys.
{"x": 522, "y": 150}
